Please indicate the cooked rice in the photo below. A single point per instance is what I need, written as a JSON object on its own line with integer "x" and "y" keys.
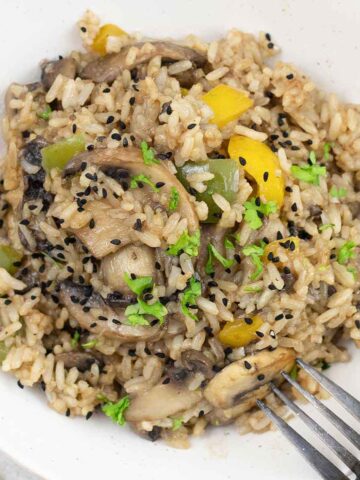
{"x": 36, "y": 328}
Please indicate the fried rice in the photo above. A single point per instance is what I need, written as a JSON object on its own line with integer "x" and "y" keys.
{"x": 118, "y": 294}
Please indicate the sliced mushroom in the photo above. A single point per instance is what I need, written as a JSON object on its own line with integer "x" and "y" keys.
{"x": 196, "y": 361}
{"x": 139, "y": 260}
{"x": 81, "y": 360}
{"x": 160, "y": 402}
{"x": 131, "y": 160}
{"x": 108, "y": 67}
{"x": 93, "y": 314}
{"x": 235, "y": 381}
{"x": 99, "y": 239}
{"x": 215, "y": 235}
{"x": 50, "y": 70}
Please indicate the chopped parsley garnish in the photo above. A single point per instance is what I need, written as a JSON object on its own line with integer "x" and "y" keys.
{"x": 90, "y": 343}
{"x": 228, "y": 244}
{"x": 45, "y": 114}
{"x": 346, "y": 252}
{"x": 309, "y": 173}
{"x": 255, "y": 211}
{"x": 294, "y": 372}
{"x": 75, "y": 339}
{"x": 255, "y": 252}
{"x": 326, "y": 226}
{"x": 252, "y": 289}
{"x": 340, "y": 192}
{"x": 327, "y": 149}
{"x": 189, "y": 297}
{"x": 138, "y": 284}
{"x": 136, "y": 312}
{"x": 323, "y": 364}
{"x": 148, "y": 154}
{"x": 186, "y": 243}
{"x": 176, "y": 423}
{"x": 174, "y": 199}
{"x": 141, "y": 179}
{"x": 213, "y": 253}
{"x": 117, "y": 410}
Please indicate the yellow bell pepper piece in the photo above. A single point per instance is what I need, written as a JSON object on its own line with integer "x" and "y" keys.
{"x": 227, "y": 103}
{"x": 107, "y": 30}
{"x": 240, "y": 332}
{"x": 276, "y": 246}
{"x": 262, "y": 165}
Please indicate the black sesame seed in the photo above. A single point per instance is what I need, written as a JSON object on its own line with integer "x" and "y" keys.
{"x": 83, "y": 29}
{"x": 287, "y": 270}
{"x": 228, "y": 351}
{"x": 90, "y": 147}
{"x": 191, "y": 126}
{"x": 32, "y": 207}
{"x": 247, "y": 365}
{"x": 261, "y": 377}
{"x": 93, "y": 325}
{"x": 248, "y": 320}
{"x": 268, "y": 36}
{"x": 25, "y": 134}
{"x": 106, "y": 90}
{"x": 147, "y": 351}
{"x": 132, "y": 100}
{"x": 110, "y": 119}
{"x": 24, "y": 222}
{"x": 159, "y": 184}
{"x": 88, "y": 415}
{"x": 125, "y": 142}
{"x": 242, "y": 161}
{"x": 86, "y": 309}
{"x": 116, "y": 136}
{"x": 7, "y": 301}
{"x": 357, "y": 323}
{"x": 132, "y": 352}
{"x": 212, "y": 283}
{"x": 208, "y": 330}
{"x": 288, "y": 316}
{"x": 271, "y": 286}
{"x": 237, "y": 258}
{"x": 259, "y": 334}
{"x": 279, "y": 317}
{"x": 290, "y": 76}
{"x": 20, "y": 385}
{"x": 70, "y": 269}
{"x": 166, "y": 381}
{"x": 266, "y": 176}
{"x": 216, "y": 368}
{"x": 116, "y": 321}
{"x": 67, "y": 413}
{"x": 160, "y": 354}
{"x": 288, "y": 189}
{"x": 157, "y": 266}
{"x": 115, "y": 241}
{"x": 270, "y": 45}
{"x": 225, "y": 301}
{"x": 212, "y": 297}
{"x": 292, "y": 246}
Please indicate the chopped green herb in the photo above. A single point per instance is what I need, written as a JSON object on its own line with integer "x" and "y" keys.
{"x": 346, "y": 252}
{"x": 90, "y": 343}
{"x": 255, "y": 252}
{"x": 142, "y": 180}
{"x": 215, "y": 254}
{"x": 327, "y": 148}
{"x": 75, "y": 339}
{"x": 174, "y": 199}
{"x": 252, "y": 289}
{"x": 252, "y": 211}
{"x": 353, "y": 271}
{"x": 46, "y": 113}
{"x": 326, "y": 226}
{"x": 189, "y": 297}
{"x": 117, "y": 410}
{"x": 139, "y": 284}
{"x": 312, "y": 157}
{"x": 176, "y": 423}
{"x": 135, "y": 313}
{"x": 148, "y": 154}
{"x": 309, "y": 173}
{"x": 323, "y": 364}
{"x": 340, "y": 192}
{"x": 294, "y": 372}
{"x": 186, "y": 243}
{"x": 228, "y": 244}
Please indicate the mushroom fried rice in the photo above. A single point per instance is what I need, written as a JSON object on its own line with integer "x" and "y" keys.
{"x": 179, "y": 222}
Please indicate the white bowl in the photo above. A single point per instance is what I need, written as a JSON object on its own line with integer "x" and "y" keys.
{"x": 319, "y": 36}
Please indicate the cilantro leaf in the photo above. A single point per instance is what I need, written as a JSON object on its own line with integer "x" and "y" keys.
{"x": 255, "y": 210}
{"x": 252, "y": 289}
{"x": 139, "y": 284}
{"x": 294, "y": 372}
{"x": 75, "y": 339}
{"x": 255, "y": 252}
{"x": 176, "y": 423}
{"x": 148, "y": 154}
{"x": 186, "y": 243}
{"x": 308, "y": 173}
{"x": 327, "y": 148}
{"x": 228, "y": 244}
{"x": 141, "y": 179}
{"x": 326, "y": 226}
{"x": 189, "y": 296}
{"x": 117, "y": 410}
{"x": 346, "y": 252}
{"x": 340, "y": 192}
{"x": 90, "y": 343}
{"x": 214, "y": 253}
{"x": 46, "y": 113}
{"x": 174, "y": 199}
{"x": 135, "y": 312}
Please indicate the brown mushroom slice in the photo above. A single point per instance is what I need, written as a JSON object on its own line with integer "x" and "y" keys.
{"x": 50, "y": 70}
{"x": 81, "y": 360}
{"x": 93, "y": 314}
{"x": 108, "y": 67}
{"x": 139, "y": 260}
{"x": 196, "y": 361}
{"x": 131, "y": 159}
{"x": 160, "y": 402}
{"x": 98, "y": 239}
{"x": 235, "y": 381}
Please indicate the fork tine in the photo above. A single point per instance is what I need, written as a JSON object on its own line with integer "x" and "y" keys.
{"x": 347, "y": 457}
{"x": 348, "y": 401}
{"x": 344, "y": 428}
{"x": 326, "y": 469}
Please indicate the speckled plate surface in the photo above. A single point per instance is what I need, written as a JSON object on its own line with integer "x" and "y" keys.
{"x": 320, "y": 36}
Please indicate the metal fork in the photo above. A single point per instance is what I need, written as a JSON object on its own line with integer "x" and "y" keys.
{"x": 318, "y": 461}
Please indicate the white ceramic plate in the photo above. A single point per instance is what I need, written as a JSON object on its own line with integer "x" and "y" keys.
{"x": 321, "y": 36}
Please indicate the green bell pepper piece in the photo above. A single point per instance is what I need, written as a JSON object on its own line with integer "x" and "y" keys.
{"x": 58, "y": 154}
{"x": 225, "y": 182}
